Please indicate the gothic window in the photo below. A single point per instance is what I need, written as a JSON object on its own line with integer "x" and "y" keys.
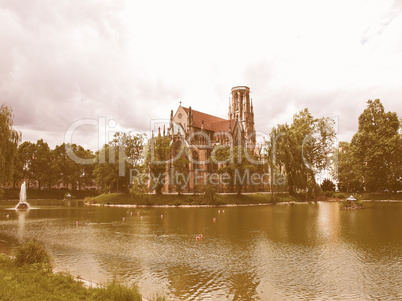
{"x": 195, "y": 158}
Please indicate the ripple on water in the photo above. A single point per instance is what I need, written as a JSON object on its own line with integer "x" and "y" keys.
{"x": 265, "y": 253}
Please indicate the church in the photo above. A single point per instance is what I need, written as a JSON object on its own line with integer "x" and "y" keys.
{"x": 202, "y": 132}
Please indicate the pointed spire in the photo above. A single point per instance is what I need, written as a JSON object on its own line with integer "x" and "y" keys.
{"x": 190, "y": 116}
{"x": 159, "y": 131}
{"x": 164, "y": 132}
{"x": 230, "y": 110}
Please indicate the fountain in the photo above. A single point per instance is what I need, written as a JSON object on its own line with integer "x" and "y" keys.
{"x": 23, "y": 205}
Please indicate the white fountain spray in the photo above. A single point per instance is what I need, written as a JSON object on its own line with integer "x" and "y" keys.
{"x": 22, "y": 205}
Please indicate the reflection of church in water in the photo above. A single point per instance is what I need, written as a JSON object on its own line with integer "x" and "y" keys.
{"x": 203, "y": 132}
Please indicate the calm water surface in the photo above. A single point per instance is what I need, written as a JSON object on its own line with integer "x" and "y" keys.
{"x": 282, "y": 252}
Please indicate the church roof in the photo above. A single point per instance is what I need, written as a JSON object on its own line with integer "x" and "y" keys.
{"x": 211, "y": 123}
{"x": 223, "y": 126}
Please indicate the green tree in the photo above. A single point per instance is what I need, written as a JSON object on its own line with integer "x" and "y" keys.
{"x": 180, "y": 166}
{"x": 106, "y": 173}
{"x": 130, "y": 146}
{"x": 327, "y": 185}
{"x": 158, "y": 156}
{"x": 116, "y": 159}
{"x": 302, "y": 150}
{"x": 377, "y": 148}
{"x": 348, "y": 176}
{"x": 40, "y": 166}
{"x": 23, "y": 162}
{"x": 74, "y": 174}
{"x": 239, "y": 163}
{"x": 9, "y": 139}
{"x": 130, "y": 149}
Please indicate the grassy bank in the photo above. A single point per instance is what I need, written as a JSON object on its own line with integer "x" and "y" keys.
{"x": 36, "y": 281}
{"x": 180, "y": 200}
{"x": 223, "y": 199}
{"x": 55, "y": 194}
{"x": 380, "y": 196}
{"x": 365, "y": 196}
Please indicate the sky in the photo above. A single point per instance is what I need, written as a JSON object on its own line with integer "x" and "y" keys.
{"x": 75, "y": 70}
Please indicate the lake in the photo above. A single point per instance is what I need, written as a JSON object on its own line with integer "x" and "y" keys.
{"x": 280, "y": 252}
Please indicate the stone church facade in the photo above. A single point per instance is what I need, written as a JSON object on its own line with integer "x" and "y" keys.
{"x": 203, "y": 132}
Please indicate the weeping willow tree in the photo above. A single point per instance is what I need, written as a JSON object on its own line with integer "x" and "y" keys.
{"x": 302, "y": 149}
{"x": 9, "y": 139}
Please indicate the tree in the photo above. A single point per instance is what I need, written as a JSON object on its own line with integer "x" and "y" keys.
{"x": 116, "y": 159}
{"x": 348, "y": 177}
{"x": 40, "y": 166}
{"x": 377, "y": 148}
{"x": 106, "y": 173}
{"x": 131, "y": 146}
{"x": 327, "y": 185}
{"x": 72, "y": 174}
{"x": 9, "y": 139}
{"x": 180, "y": 165}
{"x": 302, "y": 150}
{"x": 239, "y": 163}
{"x": 158, "y": 156}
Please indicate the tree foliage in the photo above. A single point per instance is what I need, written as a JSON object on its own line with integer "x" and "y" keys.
{"x": 349, "y": 179}
{"x": 327, "y": 185}
{"x": 180, "y": 166}
{"x": 377, "y": 149}
{"x": 239, "y": 163}
{"x": 158, "y": 156}
{"x": 302, "y": 149}
{"x": 9, "y": 139}
{"x": 116, "y": 159}
{"x": 73, "y": 174}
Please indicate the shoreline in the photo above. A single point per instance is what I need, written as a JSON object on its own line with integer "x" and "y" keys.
{"x": 207, "y": 205}
{"x": 233, "y": 205}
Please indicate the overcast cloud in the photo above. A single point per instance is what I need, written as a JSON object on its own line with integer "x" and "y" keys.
{"x": 133, "y": 61}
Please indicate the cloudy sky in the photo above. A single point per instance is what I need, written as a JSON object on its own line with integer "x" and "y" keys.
{"x": 66, "y": 63}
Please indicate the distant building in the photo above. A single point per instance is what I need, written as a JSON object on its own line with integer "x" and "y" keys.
{"x": 202, "y": 132}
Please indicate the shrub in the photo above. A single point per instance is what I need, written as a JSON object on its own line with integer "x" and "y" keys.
{"x": 32, "y": 252}
{"x": 340, "y": 195}
{"x": 117, "y": 291}
{"x": 301, "y": 196}
{"x": 329, "y": 194}
{"x": 328, "y": 185}
{"x": 138, "y": 190}
{"x": 209, "y": 191}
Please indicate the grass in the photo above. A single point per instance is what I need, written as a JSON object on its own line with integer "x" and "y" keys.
{"x": 36, "y": 281}
{"x": 55, "y": 194}
{"x": 366, "y": 196}
{"x": 32, "y": 252}
{"x": 33, "y": 282}
{"x": 179, "y": 200}
{"x": 381, "y": 196}
{"x": 221, "y": 199}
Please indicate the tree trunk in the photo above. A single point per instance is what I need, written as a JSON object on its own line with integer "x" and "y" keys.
{"x": 238, "y": 189}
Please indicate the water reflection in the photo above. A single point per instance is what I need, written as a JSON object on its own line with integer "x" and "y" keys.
{"x": 307, "y": 251}
{"x": 21, "y": 214}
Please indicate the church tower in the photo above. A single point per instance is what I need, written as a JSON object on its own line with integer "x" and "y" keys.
{"x": 241, "y": 109}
